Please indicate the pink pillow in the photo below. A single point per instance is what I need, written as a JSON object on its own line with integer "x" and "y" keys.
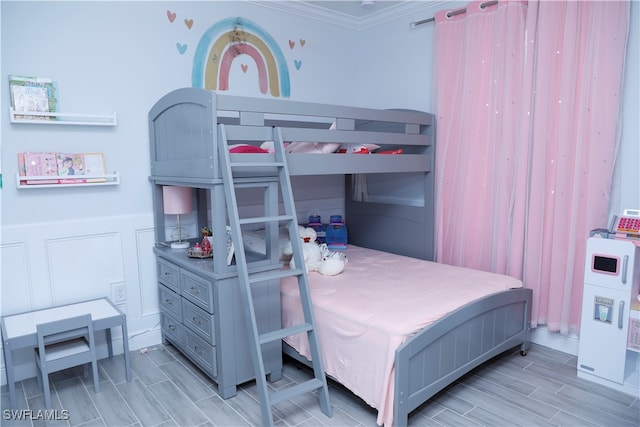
{"x": 246, "y": 148}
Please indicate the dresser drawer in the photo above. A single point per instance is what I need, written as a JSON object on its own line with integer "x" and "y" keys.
{"x": 197, "y": 290}
{"x": 169, "y": 275}
{"x": 170, "y": 301}
{"x": 172, "y": 328}
{"x": 199, "y": 321}
{"x": 201, "y": 352}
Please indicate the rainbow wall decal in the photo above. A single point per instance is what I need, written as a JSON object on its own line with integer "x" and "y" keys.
{"x": 226, "y": 40}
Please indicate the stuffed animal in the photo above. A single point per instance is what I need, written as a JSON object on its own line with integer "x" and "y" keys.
{"x": 317, "y": 257}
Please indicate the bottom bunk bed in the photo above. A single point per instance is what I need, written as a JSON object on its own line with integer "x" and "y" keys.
{"x": 396, "y": 330}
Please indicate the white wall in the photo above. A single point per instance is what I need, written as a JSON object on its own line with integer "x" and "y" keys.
{"x": 65, "y": 244}
{"x": 627, "y": 186}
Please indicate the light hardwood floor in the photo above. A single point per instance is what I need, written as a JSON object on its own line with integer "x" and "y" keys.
{"x": 540, "y": 389}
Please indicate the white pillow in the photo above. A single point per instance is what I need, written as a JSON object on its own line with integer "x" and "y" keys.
{"x": 312, "y": 147}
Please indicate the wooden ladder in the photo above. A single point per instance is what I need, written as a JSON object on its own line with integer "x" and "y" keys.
{"x": 276, "y": 177}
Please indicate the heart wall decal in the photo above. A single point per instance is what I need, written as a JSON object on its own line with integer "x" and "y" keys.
{"x": 292, "y": 44}
{"x": 188, "y": 23}
{"x": 302, "y": 42}
{"x": 182, "y": 48}
{"x": 171, "y": 16}
{"x": 244, "y": 67}
{"x": 297, "y": 63}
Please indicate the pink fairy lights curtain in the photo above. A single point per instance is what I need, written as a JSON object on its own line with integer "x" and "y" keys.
{"x": 527, "y": 102}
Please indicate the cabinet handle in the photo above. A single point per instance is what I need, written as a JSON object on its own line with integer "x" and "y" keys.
{"x": 625, "y": 263}
{"x": 172, "y": 327}
{"x": 196, "y": 321}
{"x": 620, "y": 314}
{"x": 195, "y": 290}
{"x": 168, "y": 302}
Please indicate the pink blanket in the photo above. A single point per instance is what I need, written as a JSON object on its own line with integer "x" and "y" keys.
{"x": 365, "y": 313}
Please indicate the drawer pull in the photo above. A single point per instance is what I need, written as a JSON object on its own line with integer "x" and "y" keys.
{"x": 167, "y": 273}
{"x": 168, "y": 301}
{"x": 172, "y": 327}
{"x": 198, "y": 350}
{"x": 195, "y": 290}
{"x": 196, "y": 321}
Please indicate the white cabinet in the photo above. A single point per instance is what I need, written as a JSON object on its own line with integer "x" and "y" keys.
{"x": 610, "y": 286}
{"x": 606, "y": 313}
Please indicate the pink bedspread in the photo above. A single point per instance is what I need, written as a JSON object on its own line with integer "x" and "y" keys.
{"x": 365, "y": 313}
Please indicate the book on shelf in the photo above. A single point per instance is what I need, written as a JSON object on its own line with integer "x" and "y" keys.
{"x": 68, "y": 168}
{"x": 22, "y": 168}
{"x": 94, "y": 165}
{"x": 38, "y": 164}
{"x": 33, "y": 95}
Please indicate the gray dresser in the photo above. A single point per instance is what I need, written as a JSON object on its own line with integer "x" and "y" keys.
{"x": 201, "y": 315}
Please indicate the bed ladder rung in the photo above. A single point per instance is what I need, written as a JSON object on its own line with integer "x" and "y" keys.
{"x": 262, "y": 182}
{"x": 271, "y": 275}
{"x": 286, "y": 332}
{"x": 296, "y": 390}
{"x": 260, "y": 219}
{"x": 273, "y": 178}
{"x": 256, "y": 164}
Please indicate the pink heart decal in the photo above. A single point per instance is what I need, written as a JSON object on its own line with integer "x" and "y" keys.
{"x": 291, "y": 44}
{"x": 244, "y": 67}
{"x": 302, "y": 42}
{"x": 171, "y": 16}
{"x": 188, "y": 23}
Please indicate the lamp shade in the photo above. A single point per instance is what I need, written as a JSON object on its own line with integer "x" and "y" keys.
{"x": 176, "y": 200}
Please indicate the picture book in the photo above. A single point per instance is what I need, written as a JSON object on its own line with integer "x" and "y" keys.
{"x": 70, "y": 165}
{"x": 39, "y": 164}
{"x": 68, "y": 168}
{"x": 33, "y": 94}
{"x": 22, "y": 169}
{"x": 94, "y": 165}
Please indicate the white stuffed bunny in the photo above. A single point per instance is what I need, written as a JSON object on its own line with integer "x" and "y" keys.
{"x": 317, "y": 257}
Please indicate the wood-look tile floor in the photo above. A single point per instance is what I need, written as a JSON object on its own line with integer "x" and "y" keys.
{"x": 541, "y": 389}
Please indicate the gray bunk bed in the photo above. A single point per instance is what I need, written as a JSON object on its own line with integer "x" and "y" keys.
{"x": 184, "y": 136}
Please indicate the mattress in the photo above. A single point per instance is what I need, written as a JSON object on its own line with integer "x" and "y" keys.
{"x": 377, "y": 303}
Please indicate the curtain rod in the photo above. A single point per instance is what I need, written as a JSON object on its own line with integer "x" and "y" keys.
{"x": 452, "y": 13}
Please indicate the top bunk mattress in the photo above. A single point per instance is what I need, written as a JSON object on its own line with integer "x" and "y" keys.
{"x": 185, "y": 126}
{"x": 379, "y": 301}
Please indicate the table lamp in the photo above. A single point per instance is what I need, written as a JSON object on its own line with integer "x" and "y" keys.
{"x": 177, "y": 201}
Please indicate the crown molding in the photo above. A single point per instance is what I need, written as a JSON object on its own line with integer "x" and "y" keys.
{"x": 413, "y": 8}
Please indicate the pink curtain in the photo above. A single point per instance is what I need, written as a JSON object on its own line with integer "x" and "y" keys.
{"x": 527, "y": 102}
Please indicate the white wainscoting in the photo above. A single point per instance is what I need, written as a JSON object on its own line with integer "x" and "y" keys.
{"x": 47, "y": 264}
{"x": 567, "y": 344}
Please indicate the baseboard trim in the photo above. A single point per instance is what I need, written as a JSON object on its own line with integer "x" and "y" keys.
{"x": 554, "y": 340}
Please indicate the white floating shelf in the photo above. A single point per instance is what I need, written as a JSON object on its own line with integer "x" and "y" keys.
{"x": 66, "y": 181}
{"x": 62, "y": 118}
